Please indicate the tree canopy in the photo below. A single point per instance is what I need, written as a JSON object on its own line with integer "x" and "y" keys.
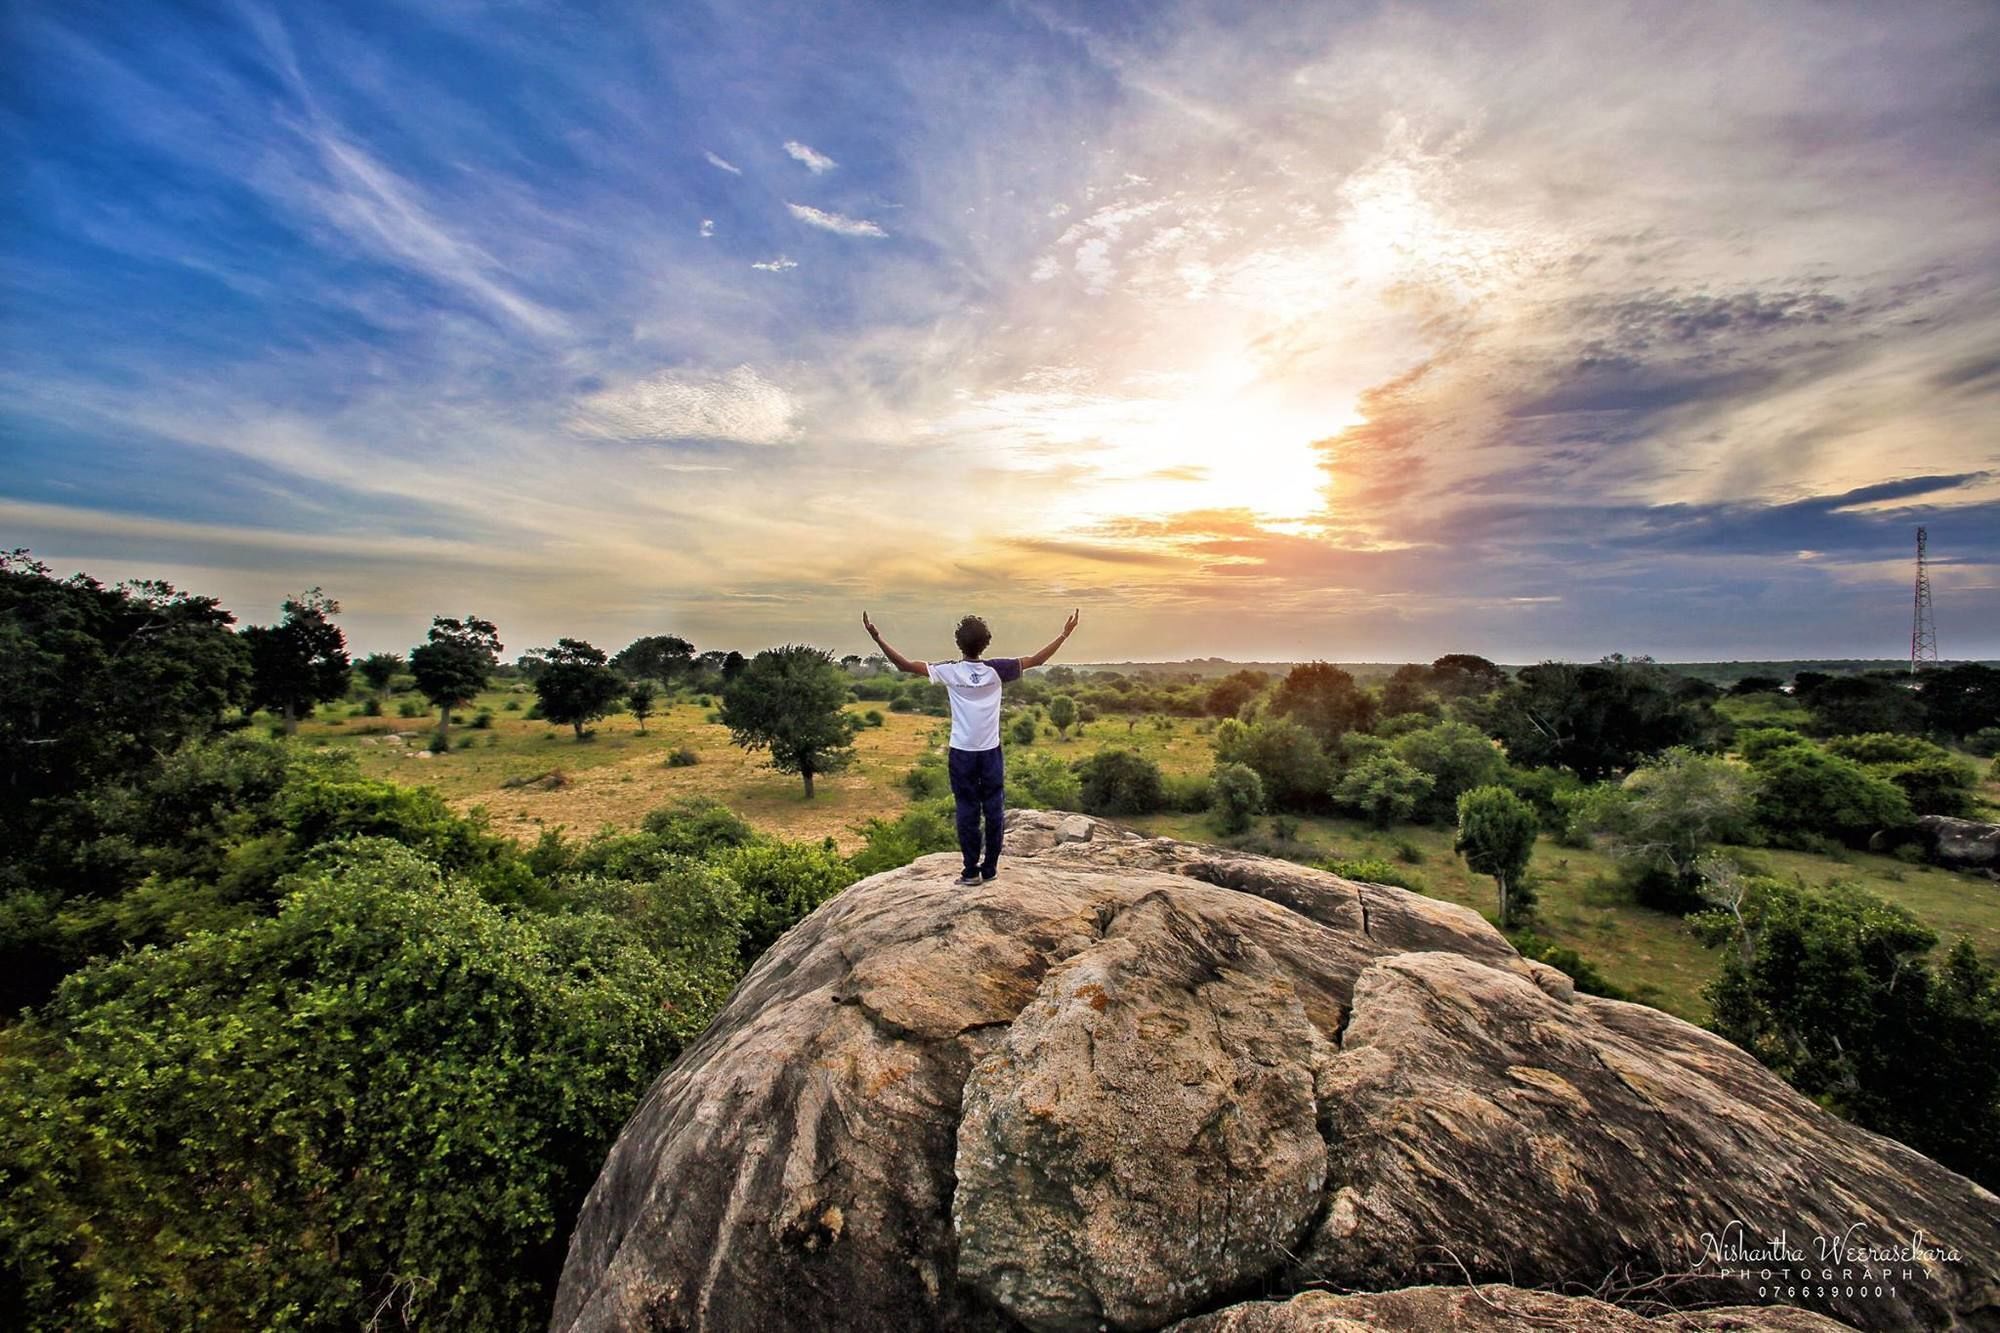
{"x": 300, "y": 662}
{"x": 787, "y": 701}
{"x": 575, "y": 687}
{"x": 454, "y": 663}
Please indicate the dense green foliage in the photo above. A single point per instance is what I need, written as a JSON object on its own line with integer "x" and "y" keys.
{"x": 1496, "y": 836}
{"x": 1598, "y": 719}
{"x": 1668, "y": 816}
{"x": 454, "y": 662}
{"x": 661, "y": 657}
{"x": 1324, "y": 700}
{"x": 1237, "y": 796}
{"x": 575, "y": 687}
{"x": 1382, "y": 788}
{"x": 1835, "y": 991}
{"x": 1121, "y": 782}
{"x": 1804, "y": 792}
{"x": 300, "y": 662}
{"x": 387, "y": 1093}
{"x": 787, "y": 702}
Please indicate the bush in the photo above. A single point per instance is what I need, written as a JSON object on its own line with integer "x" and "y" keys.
{"x": 1238, "y": 795}
{"x": 873, "y": 717}
{"x": 1456, "y": 758}
{"x": 1985, "y": 743}
{"x": 1383, "y": 789}
{"x": 483, "y": 720}
{"x": 1370, "y": 870}
{"x": 1760, "y": 742}
{"x": 785, "y": 881}
{"x": 1120, "y": 782}
{"x": 1023, "y": 730}
{"x": 918, "y": 831}
{"x": 1804, "y": 791}
{"x": 683, "y": 758}
{"x": 371, "y": 707}
{"x": 512, "y": 705}
{"x": 1288, "y": 759}
{"x": 1188, "y": 793}
{"x": 1041, "y": 781}
{"x": 411, "y": 708}
{"x": 309, "y": 1077}
{"x": 697, "y": 827}
{"x": 1567, "y": 961}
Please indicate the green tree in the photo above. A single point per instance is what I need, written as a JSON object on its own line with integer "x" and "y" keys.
{"x": 1022, "y": 731}
{"x": 639, "y": 701}
{"x": 99, "y": 681}
{"x": 1961, "y": 699}
{"x": 1227, "y": 696}
{"x": 576, "y": 687}
{"x": 1383, "y": 788}
{"x": 1932, "y": 778}
{"x": 786, "y": 882}
{"x": 1062, "y": 712}
{"x": 1041, "y": 782}
{"x": 1121, "y": 782}
{"x": 1496, "y": 836}
{"x": 788, "y": 701}
{"x": 1845, "y": 705}
{"x": 1803, "y": 790}
{"x": 1598, "y": 719}
{"x": 1465, "y": 675}
{"x": 453, "y": 663}
{"x": 1668, "y": 816}
{"x": 1324, "y": 700}
{"x": 1407, "y": 691}
{"x": 300, "y": 662}
{"x": 1836, "y": 992}
{"x": 1456, "y": 757}
{"x": 663, "y": 657}
{"x": 379, "y": 670}
{"x": 1290, "y": 761}
{"x": 408, "y": 1086}
{"x": 1238, "y": 795}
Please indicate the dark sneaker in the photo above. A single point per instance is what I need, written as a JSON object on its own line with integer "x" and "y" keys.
{"x": 988, "y": 876}
{"x": 969, "y": 877}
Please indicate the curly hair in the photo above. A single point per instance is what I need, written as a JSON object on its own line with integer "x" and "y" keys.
{"x": 972, "y": 636}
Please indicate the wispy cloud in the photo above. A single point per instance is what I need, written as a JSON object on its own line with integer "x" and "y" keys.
{"x": 723, "y": 164}
{"x": 740, "y": 406}
{"x": 707, "y": 227}
{"x": 816, "y": 162}
{"x": 837, "y": 223}
{"x": 775, "y": 265}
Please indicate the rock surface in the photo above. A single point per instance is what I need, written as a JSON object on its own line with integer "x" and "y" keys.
{"x": 1962, "y": 844}
{"x": 1136, "y": 1083}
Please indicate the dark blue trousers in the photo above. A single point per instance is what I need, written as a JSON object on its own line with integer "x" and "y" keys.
{"x": 979, "y": 786}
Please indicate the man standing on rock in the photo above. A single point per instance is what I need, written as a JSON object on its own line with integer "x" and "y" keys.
{"x": 978, "y": 778}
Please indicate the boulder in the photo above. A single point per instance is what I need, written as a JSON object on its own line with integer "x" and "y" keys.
{"x": 1135, "y": 1083}
{"x": 1962, "y": 844}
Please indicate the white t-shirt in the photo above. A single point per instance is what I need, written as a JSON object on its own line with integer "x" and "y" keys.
{"x": 974, "y": 691}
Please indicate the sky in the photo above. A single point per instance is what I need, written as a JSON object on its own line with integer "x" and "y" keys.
{"x": 1360, "y": 331}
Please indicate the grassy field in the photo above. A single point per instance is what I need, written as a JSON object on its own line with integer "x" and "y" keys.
{"x": 619, "y": 775}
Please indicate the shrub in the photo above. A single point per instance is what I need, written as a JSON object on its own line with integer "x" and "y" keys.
{"x": 483, "y": 720}
{"x": 512, "y": 705}
{"x": 1756, "y": 744}
{"x": 918, "y": 831}
{"x": 873, "y": 717}
{"x": 1456, "y": 758}
{"x": 1120, "y": 782}
{"x": 1409, "y": 853}
{"x": 698, "y": 827}
{"x": 902, "y": 704}
{"x": 1370, "y": 870}
{"x": 410, "y": 708}
{"x": 1805, "y": 791}
{"x": 1383, "y": 789}
{"x": 1496, "y": 836}
{"x": 1289, "y": 760}
{"x": 1285, "y": 828}
{"x": 371, "y": 707}
{"x": 1042, "y": 781}
{"x": 785, "y": 881}
{"x": 683, "y": 758}
{"x": 1188, "y": 793}
{"x": 1985, "y": 743}
{"x": 1567, "y": 961}
{"x": 1023, "y": 731}
{"x": 1238, "y": 795}
{"x": 309, "y": 1077}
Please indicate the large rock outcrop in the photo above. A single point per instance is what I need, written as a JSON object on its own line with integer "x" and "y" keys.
{"x": 1137, "y": 1083}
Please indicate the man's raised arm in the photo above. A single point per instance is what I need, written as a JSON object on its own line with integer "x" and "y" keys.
{"x": 900, "y": 662}
{"x": 1033, "y": 660}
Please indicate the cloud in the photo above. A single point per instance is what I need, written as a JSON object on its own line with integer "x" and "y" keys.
{"x": 777, "y": 265}
{"x": 816, "y": 162}
{"x": 723, "y": 164}
{"x": 740, "y": 406}
{"x": 707, "y": 227}
{"x": 837, "y": 223}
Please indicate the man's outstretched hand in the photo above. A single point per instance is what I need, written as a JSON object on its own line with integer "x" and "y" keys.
{"x": 1069, "y": 626}
{"x": 869, "y": 625}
